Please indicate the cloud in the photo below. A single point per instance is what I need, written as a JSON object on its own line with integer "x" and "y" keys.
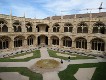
{"x": 44, "y": 8}
{"x": 71, "y": 6}
{"x": 30, "y": 12}
{"x": 20, "y": 7}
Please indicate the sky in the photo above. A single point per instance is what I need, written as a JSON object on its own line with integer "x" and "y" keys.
{"x": 44, "y": 8}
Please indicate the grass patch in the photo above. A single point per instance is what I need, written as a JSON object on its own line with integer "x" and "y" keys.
{"x": 36, "y": 54}
{"x": 99, "y": 74}
{"x": 23, "y": 71}
{"x": 53, "y": 54}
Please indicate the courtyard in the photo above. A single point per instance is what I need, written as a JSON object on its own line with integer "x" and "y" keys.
{"x": 52, "y": 40}
{"x": 79, "y": 67}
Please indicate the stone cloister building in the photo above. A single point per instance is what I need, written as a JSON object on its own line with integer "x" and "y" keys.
{"x": 86, "y": 32}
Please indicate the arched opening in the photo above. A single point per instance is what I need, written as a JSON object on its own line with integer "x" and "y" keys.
{"x": 4, "y": 42}
{"x": 99, "y": 27}
{"x": 29, "y": 27}
{"x": 56, "y": 27}
{"x": 81, "y": 43}
{"x": 37, "y": 28}
{"x": 42, "y": 28}
{"x": 30, "y": 40}
{"x": 19, "y": 29}
{"x": 68, "y": 27}
{"x": 95, "y": 30}
{"x": 3, "y": 26}
{"x": 98, "y": 44}
{"x": 82, "y": 28}
{"x": 18, "y": 41}
{"x": 42, "y": 40}
{"x": 55, "y": 40}
{"x": 67, "y": 42}
{"x": 47, "y": 27}
{"x": 79, "y": 30}
{"x": 85, "y": 30}
{"x": 102, "y": 30}
{"x": 17, "y": 26}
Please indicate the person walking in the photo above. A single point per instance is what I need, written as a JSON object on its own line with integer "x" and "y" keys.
{"x": 69, "y": 59}
{"x": 61, "y": 61}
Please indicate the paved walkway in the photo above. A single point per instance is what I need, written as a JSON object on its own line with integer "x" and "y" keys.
{"x": 50, "y": 76}
{"x": 12, "y": 76}
{"x": 44, "y": 53}
{"x": 53, "y": 75}
{"x": 87, "y": 73}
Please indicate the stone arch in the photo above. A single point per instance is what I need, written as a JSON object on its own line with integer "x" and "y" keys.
{"x": 81, "y": 42}
{"x": 3, "y": 20}
{"x": 68, "y": 27}
{"x": 55, "y": 40}
{"x": 17, "y": 26}
{"x": 99, "y": 27}
{"x": 30, "y": 40}
{"x": 98, "y": 44}
{"x": 4, "y": 42}
{"x": 82, "y": 28}
{"x": 18, "y": 41}
{"x": 42, "y": 27}
{"x": 29, "y": 26}
{"x": 56, "y": 27}
{"x": 3, "y": 25}
{"x": 67, "y": 41}
{"x": 42, "y": 40}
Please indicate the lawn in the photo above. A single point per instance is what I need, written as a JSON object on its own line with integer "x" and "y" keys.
{"x": 53, "y": 54}
{"x": 99, "y": 74}
{"x": 35, "y": 55}
{"x": 23, "y": 71}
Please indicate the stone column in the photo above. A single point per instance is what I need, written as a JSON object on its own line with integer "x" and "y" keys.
{"x": 49, "y": 42}
{"x": 60, "y": 43}
{"x": 24, "y": 29}
{"x": 61, "y": 28}
{"x": 34, "y": 28}
{"x": 50, "y": 27}
{"x": 73, "y": 44}
{"x": 50, "y": 30}
{"x": 36, "y": 40}
{"x": 10, "y": 28}
{"x": 88, "y": 46}
{"x": 25, "y": 43}
{"x": 11, "y": 44}
{"x": 90, "y": 28}
{"x": 74, "y": 30}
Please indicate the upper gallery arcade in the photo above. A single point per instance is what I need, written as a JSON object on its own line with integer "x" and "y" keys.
{"x": 79, "y": 32}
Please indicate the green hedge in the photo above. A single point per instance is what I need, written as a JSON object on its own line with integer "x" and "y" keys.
{"x": 53, "y": 54}
{"x": 35, "y": 55}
